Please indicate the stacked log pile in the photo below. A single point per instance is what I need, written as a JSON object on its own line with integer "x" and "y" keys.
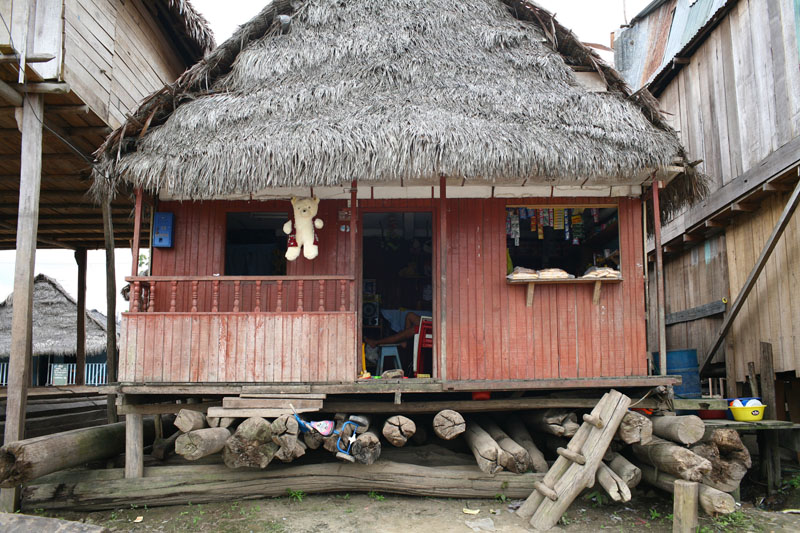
{"x": 656, "y": 449}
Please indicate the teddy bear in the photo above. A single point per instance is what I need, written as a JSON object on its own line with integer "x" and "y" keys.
{"x": 303, "y": 234}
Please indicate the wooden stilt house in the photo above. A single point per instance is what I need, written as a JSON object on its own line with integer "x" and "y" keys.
{"x": 448, "y": 145}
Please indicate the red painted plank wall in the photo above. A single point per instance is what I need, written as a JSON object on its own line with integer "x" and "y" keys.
{"x": 491, "y": 334}
{"x": 237, "y": 347}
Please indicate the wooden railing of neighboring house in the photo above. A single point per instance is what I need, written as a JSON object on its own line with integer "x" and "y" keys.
{"x": 205, "y": 329}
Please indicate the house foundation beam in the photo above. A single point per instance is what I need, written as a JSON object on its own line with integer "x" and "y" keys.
{"x": 111, "y": 309}
{"x": 21, "y": 322}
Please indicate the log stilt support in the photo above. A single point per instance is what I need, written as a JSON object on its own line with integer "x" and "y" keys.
{"x": 80, "y": 350}
{"x": 21, "y": 321}
{"x": 134, "y": 446}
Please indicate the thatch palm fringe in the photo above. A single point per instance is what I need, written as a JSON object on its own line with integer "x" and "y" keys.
{"x": 387, "y": 91}
{"x": 194, "y": 24}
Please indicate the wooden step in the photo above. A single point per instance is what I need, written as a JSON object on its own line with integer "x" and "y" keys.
{"x": 282, "y": 402}
{"x": 299, "y": 395}
{"x": 221, "y": 412}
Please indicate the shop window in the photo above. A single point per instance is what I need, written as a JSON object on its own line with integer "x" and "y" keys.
{"x": 564, "y": 242}
{"x": 255, "y": 244}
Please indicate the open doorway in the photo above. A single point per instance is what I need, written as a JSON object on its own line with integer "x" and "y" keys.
{"x": 398, "y": 291}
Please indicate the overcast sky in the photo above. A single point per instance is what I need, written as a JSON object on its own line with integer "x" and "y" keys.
{"x": 592, "y": 20}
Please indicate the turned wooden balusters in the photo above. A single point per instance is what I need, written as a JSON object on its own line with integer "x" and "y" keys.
{"x": 342, "y": 288}
{"x": 300, "y": 295}
{"x": 173, "y": 292}
{"x": 134, "y": 297}
{"x": 237, "y": 294}
{"x": 321, "y": 295}
{"x": 258, "y": 297}
{"x": 215, "y": 296}
{"x": 279, "y": 303}
{"x": 194, "y": 296}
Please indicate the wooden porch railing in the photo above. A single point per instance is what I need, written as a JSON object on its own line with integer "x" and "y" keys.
{"x": 241, "y": 294}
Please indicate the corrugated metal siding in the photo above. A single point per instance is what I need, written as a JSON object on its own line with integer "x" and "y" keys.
{"x": 640, "y": 52}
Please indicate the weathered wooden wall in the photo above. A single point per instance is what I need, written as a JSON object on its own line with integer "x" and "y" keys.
{"x": 735, "y": 103}
{"x": 115, "y": 55}
{"x": 491, "y": 334}
{"x": 737, "y": 100}
{"x": 771, "y": 312}
{"x": 695, "y": 277}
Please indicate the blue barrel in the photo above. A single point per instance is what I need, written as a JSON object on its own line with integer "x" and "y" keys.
{"x": 682, "y": 363}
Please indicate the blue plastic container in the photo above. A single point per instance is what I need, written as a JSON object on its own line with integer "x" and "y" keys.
{"x": 684, "y": 364}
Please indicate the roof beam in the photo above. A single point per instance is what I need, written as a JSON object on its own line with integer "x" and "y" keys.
{"x": 8, "y": 94}
{"x": 30, "y": 58}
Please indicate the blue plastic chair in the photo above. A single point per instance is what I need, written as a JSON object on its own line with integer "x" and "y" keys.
{"x": 389, "y": 351}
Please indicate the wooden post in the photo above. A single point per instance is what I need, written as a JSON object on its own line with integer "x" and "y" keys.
{"x": 134, "y": 446}
{"x": 111, "y": 309}
{"x": 768, "y": 441}
{"x": 442, "y": 304}
{"x": 80, "y": 351}
{"x": 21, "y": 321}
{"x": 684, "y": 510}
{"x": 137, "y": 232}
{"x": 750, "y": 282}
{"x": 355, "y": 270}
{"x": 662, "y": 317}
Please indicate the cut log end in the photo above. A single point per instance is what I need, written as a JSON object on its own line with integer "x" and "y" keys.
{"x": 398, "y": 429}
{"x": 448, "y": 424}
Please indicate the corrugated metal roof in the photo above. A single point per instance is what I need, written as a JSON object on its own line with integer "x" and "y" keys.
{"x": 640, "y": 53}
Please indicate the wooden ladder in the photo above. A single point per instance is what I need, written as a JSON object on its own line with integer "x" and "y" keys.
{"x": 577, "y": 464}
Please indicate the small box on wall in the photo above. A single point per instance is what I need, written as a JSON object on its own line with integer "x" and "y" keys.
{"x": 162, "y": 230}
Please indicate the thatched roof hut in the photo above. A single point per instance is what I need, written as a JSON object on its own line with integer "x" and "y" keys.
{"x": 319, "y": 93}
{"x": 54, "y": 322}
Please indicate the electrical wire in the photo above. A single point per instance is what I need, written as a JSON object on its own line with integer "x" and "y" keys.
{"x": 66, "y": 141}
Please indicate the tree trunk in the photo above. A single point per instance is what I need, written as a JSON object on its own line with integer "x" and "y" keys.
{"x": 251, "y": 445}
{"x": 725, "y": 475}
{"x": 367, "y": 447}
{"x": 681, "y": 429}
{"x": 287, "y": 455}
{"x": 330, "y": 442}
{"x": 614, "y": 485}
{"x": 188, "y": 420}
{"x": 714, "y": 502}
{"x": 552, "y": 421}
{"x": 521, "y": 459}
{"x": 164, "y": 447}
{"x": 673, "y": 459}
{"x": 448, "y": 424}
{"x": 398, "y": 429}
{"x": 284, "y": 431}
{"x": 197, "y": 483}
{"x": 517, "y": 431}
{"x": 313, "y": 439}
{"x": 201, "y": 442}
{"x": 635, "y": 429}
{"x": 24, "y": 460}
{"x": 486, "y": 451}
{"x": 626, "y": 470}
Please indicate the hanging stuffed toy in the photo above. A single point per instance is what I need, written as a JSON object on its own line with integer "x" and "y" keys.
{"x": 303, "y": 234}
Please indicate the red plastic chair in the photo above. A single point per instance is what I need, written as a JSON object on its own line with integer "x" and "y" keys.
{"x": 423, "y": 339}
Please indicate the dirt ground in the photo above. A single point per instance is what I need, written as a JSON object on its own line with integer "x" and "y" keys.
{"x": 356, "y": 513}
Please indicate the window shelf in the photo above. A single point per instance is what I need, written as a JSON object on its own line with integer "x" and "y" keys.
{"x": 531, "y": 283}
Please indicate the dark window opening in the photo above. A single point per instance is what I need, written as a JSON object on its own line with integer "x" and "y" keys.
{"x": 572, "y": 239}
{"x": 255, "y": 244}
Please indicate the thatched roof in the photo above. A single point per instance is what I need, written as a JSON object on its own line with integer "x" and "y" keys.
{"x": 55, "y": 317}
{"x": 389, "y": 91}
{"x": 190, "y": 26}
